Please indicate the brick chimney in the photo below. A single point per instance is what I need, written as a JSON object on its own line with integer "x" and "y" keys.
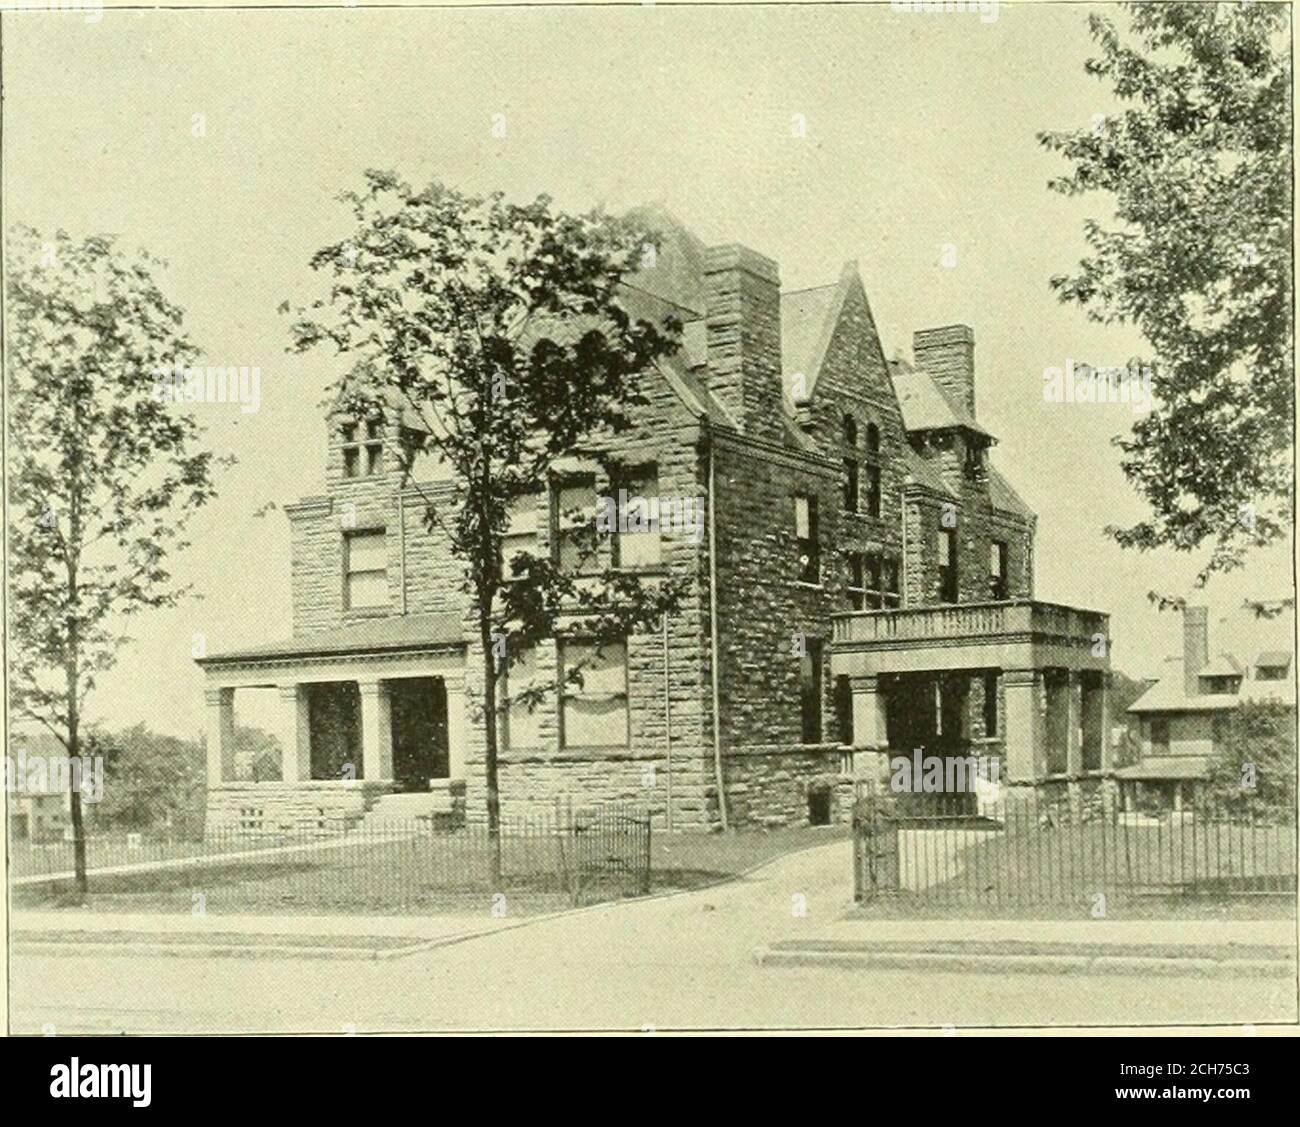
{"x": 743, "y": 335}
{"x": 948, "y": 354}
{"x": 1196, "y": 647}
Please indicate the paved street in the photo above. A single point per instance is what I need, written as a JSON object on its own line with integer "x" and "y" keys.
{"x": 682, "y": 961}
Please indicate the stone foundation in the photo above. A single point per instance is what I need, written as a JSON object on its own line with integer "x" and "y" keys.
{"x": 273, "y": 807}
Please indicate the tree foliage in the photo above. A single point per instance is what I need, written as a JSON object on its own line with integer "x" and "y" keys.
{"x": 1253, "y": 772}
{"x": 1198, "y": 258}
{"x": 102, "y": 473}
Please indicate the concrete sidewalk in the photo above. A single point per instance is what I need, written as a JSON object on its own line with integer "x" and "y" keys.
{"x": 305, "y": 936}
{"x": 1254, "y": 948}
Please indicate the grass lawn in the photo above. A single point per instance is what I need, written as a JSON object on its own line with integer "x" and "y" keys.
{"x": 1175, "y": 870}
{"x": 408, "y": 875}
{"x": 693, "y": 860}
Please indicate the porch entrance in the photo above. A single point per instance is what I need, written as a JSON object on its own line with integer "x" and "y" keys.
{"x": 419, "y": 731}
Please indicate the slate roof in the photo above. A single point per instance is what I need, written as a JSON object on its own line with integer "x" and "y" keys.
{"x": 378, "y": 635}
{"x": 925, "y": 405}
{"x": 807, "y": 322}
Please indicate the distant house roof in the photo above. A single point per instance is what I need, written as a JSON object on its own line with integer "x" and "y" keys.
{"x": 1158, "y": 767}
{"x": 1222, "y": 665}
{"x": 1237, "y": 633}
{"x": 379, "y": 635}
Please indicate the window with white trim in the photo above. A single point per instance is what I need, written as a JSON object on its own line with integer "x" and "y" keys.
{"x": 365, "y": 566}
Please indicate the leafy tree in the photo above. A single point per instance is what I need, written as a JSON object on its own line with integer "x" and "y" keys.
{"x": 1253, "y": 772}
{"x": 493, "y": 333}
{"x": 150, "y": 780}
{"x": 1199, "y": 260}
{"x": 102, "y": 474}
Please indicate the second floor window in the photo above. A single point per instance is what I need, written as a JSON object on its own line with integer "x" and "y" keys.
{"x": 873, "y": 491}
{"x": 573, "y": 524}
{"x": 636, "y": 544}
{"x": 851, "y": 486}
{"x": 1160, "y": 735}
{"x": 365, "y": 566}
{"x": 998, "y": 586}
{"x": 872, "y": 581}
{"x": 805, "y": 532}
{"x": 948, "y": 565}
{"x": 520, "y": 533}
{"x": 363, "y": 449}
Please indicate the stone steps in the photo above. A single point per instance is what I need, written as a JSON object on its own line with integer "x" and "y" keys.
{"x": 438, "y": 806}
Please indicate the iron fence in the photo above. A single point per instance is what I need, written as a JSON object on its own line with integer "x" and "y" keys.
{"x": 573, "y": 856}
{"x": 1039, "y": 852}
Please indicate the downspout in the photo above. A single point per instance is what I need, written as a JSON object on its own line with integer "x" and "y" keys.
{"x": 902, "y": 566}
{"x": 668, "y": 729}
{"x": 401, "y": 541}
{"x": 713, "y": 638}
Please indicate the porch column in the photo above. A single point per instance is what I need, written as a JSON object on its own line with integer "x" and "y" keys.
{"x": 1103, "y": 715}
{"x": 1073, "y": 723}
{"x": 294, "y": 734}
{"x": 455, "y": 727}
{"x": 220, "y": 735}
{"x": 1096, "y": 722}
{"x": 869, "y": 715}
{"x": 376, "y": 731}
{"x": 1023, "y": 691}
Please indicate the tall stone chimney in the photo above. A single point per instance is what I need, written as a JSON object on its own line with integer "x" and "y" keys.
{"x": 948, "y": 354}
{"x": 743, "y": 335}
{"x": 1196, "y": 647}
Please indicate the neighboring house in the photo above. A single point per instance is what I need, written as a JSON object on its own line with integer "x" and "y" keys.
{"x": 1179, "y": 720}
{"x": 36, "y": 813}
{"x": 862, "y": 582}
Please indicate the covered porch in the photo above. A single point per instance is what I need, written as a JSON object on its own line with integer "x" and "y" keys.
{"x": 368, "y": 709}
{"x": 1025, "y": 682}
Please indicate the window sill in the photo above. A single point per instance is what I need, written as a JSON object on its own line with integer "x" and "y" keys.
{"x": 805, "y": 585}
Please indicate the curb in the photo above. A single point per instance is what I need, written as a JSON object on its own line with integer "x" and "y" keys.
{"x": 1234, "y": 964}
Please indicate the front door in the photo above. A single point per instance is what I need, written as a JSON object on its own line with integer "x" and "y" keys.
{"x": 419, "y": 712}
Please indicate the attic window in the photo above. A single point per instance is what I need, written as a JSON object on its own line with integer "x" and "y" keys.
{"x": 363, "y": 449}
{"x": 1270, "y": 673}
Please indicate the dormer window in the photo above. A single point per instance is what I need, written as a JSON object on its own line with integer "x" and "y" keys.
{"x": 363, "y": 449}
{"x": 1272, "y": 667}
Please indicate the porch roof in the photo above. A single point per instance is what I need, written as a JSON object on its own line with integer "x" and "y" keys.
{"x": 1171, "y": 767}
{"x": 393, "y": 634}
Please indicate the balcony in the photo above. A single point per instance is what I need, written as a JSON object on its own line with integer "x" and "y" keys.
{"x": 1014, "y": 634}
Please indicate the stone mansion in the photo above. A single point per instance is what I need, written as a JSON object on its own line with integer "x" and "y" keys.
{"x": 860, "y": 586}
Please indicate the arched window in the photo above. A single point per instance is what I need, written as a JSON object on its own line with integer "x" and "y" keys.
{"x": 873, "y": 439}
{"x": 851, "y": 465}
{"x": 850, "y": 431}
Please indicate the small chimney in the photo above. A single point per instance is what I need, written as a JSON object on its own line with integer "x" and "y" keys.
{"x": 948, "y": 354}
{"x": 1196, "y": 647}
{"x": 743, "y": 334}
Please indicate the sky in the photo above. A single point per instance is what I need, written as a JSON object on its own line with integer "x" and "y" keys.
{"x": 219, "y": 140}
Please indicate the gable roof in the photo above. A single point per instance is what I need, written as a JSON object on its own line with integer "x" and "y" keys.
{"x": 1003, "y": 497}
{"x": 808, "y": 320}
{"x": 925, "y": 404}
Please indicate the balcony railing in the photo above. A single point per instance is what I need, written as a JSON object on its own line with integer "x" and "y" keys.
{"x": 1015, "y": 617}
